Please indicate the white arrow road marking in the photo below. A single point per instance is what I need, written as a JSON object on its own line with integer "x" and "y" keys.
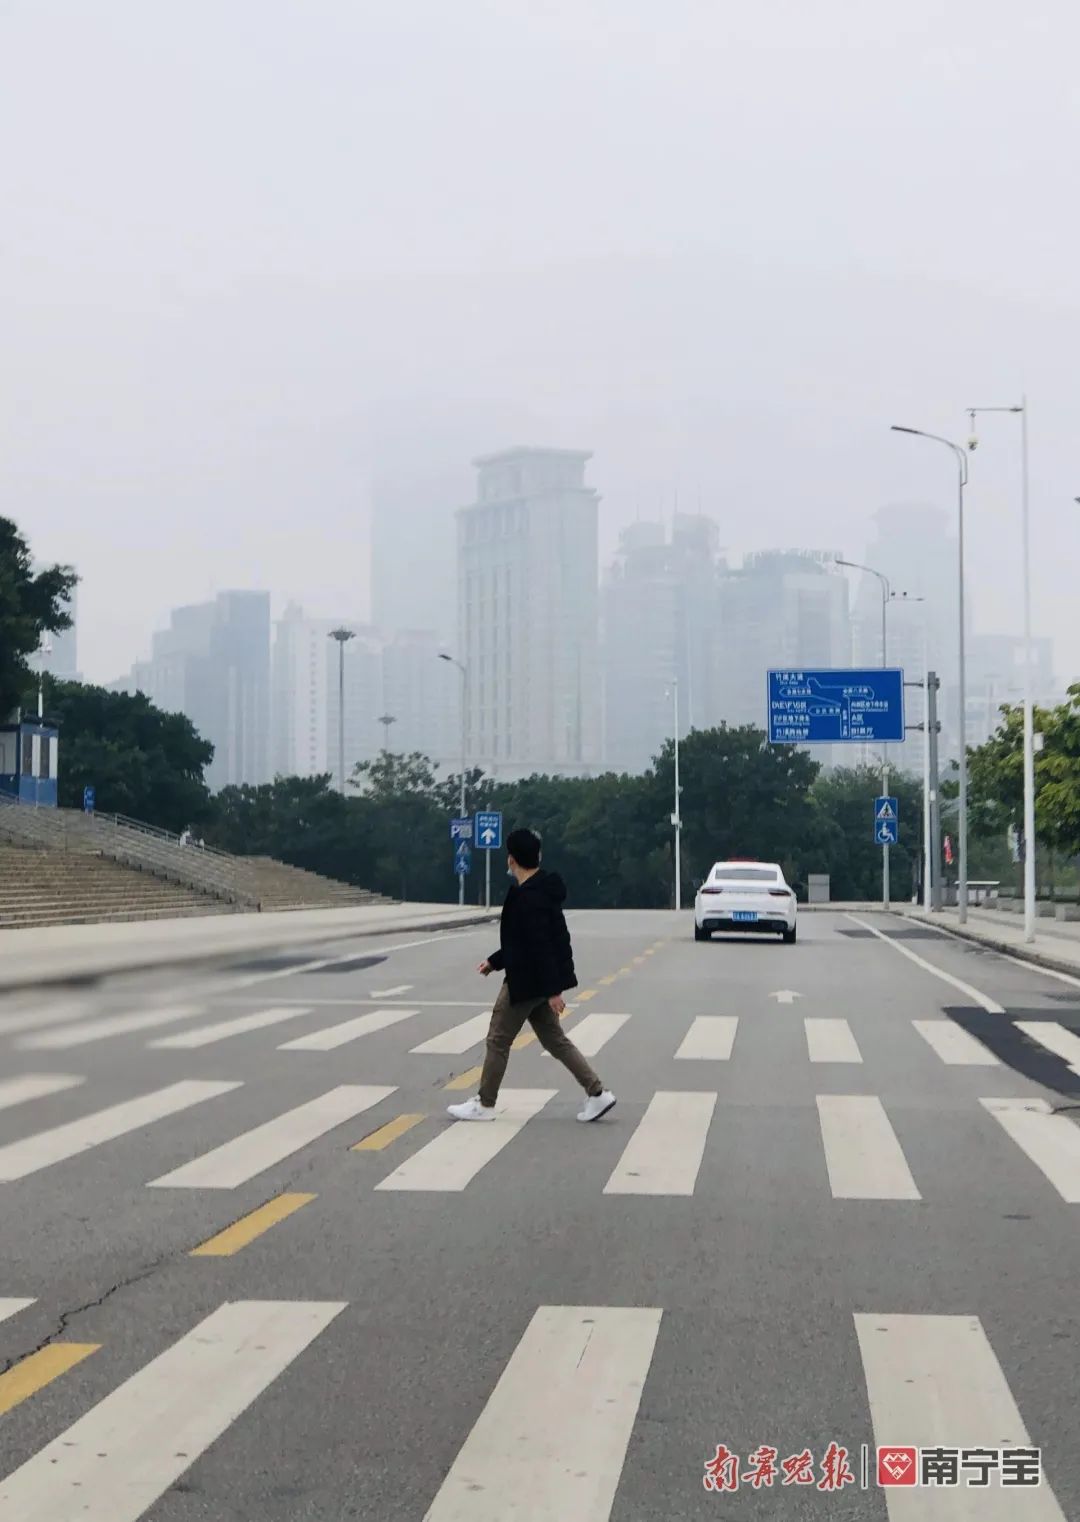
{"x": 785, "y": 996}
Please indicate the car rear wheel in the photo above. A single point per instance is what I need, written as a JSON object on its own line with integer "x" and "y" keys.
{"x": 790, "y": 935}
{"x": 702, "y": 935}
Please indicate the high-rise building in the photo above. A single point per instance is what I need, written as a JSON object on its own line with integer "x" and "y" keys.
{"x": 528, "y": 614}
{"x": 422, "y": 697}
{"x": 300, "y": 700}
{"x": 996, "y": 666}
{"x": 783, "y": 608}
{"x": 659, "y": 609}
{"x": 213, "y": 664}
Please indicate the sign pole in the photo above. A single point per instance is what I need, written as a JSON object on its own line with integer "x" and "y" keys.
{"x": 885, "y": 850}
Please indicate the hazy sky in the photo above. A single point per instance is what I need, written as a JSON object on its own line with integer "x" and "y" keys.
{"x": 724, "y": 246}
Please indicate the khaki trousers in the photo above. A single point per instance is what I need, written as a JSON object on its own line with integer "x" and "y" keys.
{"x": 506, "y": 1022}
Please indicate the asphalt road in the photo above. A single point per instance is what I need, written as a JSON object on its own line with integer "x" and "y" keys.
{"x": 836, "y": 1203}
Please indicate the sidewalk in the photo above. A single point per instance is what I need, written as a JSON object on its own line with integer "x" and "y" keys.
{"x": 65, "y": 953}
{"x": 1056, "y": 944}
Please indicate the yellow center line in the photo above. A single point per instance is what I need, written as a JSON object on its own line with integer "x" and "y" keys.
{"x": 40, "y": 1369}
{"x": 609, "y": 979}
{"x": 388, "y": 1133}
{"x": 248, "y": 1227}
{"x": 589, "y": 993}
{"x": 464, "y": 1080}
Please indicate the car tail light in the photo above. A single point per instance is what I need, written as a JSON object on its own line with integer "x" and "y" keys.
{"x": 779, "y": 892}
{"x": 712, "y": 890}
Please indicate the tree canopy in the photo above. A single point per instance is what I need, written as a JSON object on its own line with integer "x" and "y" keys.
{"x": 996, "y": 775}
{"x": 30, "y": 606}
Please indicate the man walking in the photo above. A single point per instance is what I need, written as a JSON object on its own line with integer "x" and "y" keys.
{"x": 538, "y": 960}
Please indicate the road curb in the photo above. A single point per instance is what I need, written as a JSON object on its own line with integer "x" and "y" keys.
{"x": 155, "y": 958}
{"x": 1022, "y": 953}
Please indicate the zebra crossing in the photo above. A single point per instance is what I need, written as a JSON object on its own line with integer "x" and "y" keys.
{"x": 551, "y": 1440}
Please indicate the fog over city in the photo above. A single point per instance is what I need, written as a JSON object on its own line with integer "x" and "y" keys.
{"x": 264, "y": 263}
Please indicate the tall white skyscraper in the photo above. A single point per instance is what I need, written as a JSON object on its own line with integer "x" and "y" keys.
{"x": 303, "y": 652}
{"x": 528, "y": 614}
{"x": 422, "y": 697}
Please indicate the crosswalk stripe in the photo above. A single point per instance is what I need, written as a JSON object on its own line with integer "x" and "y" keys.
{"x": 709, "y": 1039}
{"x": 550, "y": 1443}
{"x": 664, "y": 1154}
{"x": 12, "y": 1307}
{"x": 117, "y": 1461}
{"x": 391, "y": 993}
{"x": 252, "y": 1152}
{"x": 458, "y": 1039}
{"x": 99, "y": 1030}
{"x": 955, "y": 1045}
{"x": 46, "y": 1014}
{"x": 333, "y": 1036}
{"x": 42, "y": 1150}
{"x": 1052, "y": 1142}
{"x": 450, "y": 1162}
{"x": 37, "y": 1370}
{"x": 16, "y": 1091}
{"x": 862, "y": 1153}
{"x": 935, "y": 1381}
{"x": 244, "y": 1231}
{"x": 831, "y": 1040}
{"x": 1055, "y": 1037}
{"x": 209, "y": 1035}
{"x": 594, "y": 1033}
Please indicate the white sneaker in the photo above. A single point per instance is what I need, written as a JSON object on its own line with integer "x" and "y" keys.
{"x": 597, "y": 1105}
{"x": 472, "y": 1109}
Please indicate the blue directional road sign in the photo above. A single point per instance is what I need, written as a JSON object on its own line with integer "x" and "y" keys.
{"x": 460, "y": 829}
{"x": 836, "y": 707}
{"x": 89, "y": 798}
{"x": 488, "y": 832}
{"x": 463, "y": 858}
{"x": 886, "y": 821}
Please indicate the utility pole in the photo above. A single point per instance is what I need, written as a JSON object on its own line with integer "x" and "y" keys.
{"x": 386, "y": 720}
{"x": 676, "y": 818}
{"x": 342, "y": 636}
{"x": 933, "y": 682}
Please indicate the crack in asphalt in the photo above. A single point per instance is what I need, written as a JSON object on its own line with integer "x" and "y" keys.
{"x": 67, "y": 1317}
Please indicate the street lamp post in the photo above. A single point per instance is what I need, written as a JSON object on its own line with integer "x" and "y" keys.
{"x": 342, "y": 636}
{"x": 450, "y": 660}
{"x": 1029, "y": 711}
{"x": 386, "y": 720}
{"x": 903, "y": 597}
{"x": 962, "y": 477}
{"x": 676, "y": 818}
{"x": 886, "y": 597}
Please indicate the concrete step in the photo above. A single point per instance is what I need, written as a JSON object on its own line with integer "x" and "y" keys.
{"x": 89, "y": 917}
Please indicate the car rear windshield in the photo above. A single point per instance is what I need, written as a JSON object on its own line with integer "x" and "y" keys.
{"x": 745, "y": 875}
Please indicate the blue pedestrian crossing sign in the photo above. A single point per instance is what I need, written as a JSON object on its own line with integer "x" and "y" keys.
{"x": 460, "y": 829}
{"x": 89, "y": 798}
{"x": 488, "y": 831}
{"x": 886, "y": 821}
{"x": 462, "y": 858}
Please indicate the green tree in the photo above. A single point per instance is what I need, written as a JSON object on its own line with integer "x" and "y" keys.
{"x": 30, "y": 606}
{"x": 996, "y": 776}
{"x": 843, "y": 832}
{"x": 140, "y": 761}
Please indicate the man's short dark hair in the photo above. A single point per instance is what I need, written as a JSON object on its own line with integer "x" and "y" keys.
{"x": 524, "y": 847}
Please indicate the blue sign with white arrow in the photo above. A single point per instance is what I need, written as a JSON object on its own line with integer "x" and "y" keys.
{"x": 488, "y": 832}
{"x": 886, "y": 821}
{"x": 463, "y": 858}
{"x": 827, "y": 707}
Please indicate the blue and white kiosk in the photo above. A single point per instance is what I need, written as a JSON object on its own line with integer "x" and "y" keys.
{"x": 29, "y": 761}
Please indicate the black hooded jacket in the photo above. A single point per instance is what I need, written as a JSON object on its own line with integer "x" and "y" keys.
{"x": 535, "y": 951}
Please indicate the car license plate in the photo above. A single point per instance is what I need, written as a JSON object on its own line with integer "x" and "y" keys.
{"x": 744, "y": 914}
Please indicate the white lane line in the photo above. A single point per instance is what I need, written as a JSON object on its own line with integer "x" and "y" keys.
{"x": 1055, "y": 1037}
{"x": 1052, "y": 1142}
{"x": 991, "y": 1006}
{"x": 551, "y": 1442}
{"x": 1028, "y": 966}
{"x": 936, "y": 1381}
{"x": 709, "y": 1039}
{"x": 333, "y": 1036}
{"x": 320, "y": 963}
{"x": 391, "y": 993}
{"x": 458, "y": 1039}
{"x": 208, "y": 1035}
{"x": 593, "y": 1033}
{"x": 10, "y": 1307}
{"x": 831, "y": 1040}
{"x": 44, "y": 1014}
{"x": 30, "y": 1154}
{"x": 664, "y": 1154}
{"x": 252, "y": 1152}
{"x": 954, "y": 1045}
{"x": 119, "y": 1459}
{"x": 16, "y": 1091}
{"x": 110, "y": 1025}
{"x": 862, "y": 1153}
{"x": 455, "y": 1157}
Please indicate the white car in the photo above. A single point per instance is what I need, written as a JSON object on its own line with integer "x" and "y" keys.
{"x": 745, "y": 898}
